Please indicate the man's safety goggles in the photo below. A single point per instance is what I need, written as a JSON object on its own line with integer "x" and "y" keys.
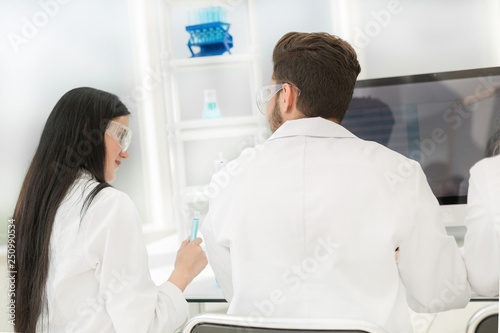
{"x": 264, "y": 95}
{"x": 120, "y": 133}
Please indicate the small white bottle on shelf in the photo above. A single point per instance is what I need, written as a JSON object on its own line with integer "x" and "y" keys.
{"x": 210, "y": 108}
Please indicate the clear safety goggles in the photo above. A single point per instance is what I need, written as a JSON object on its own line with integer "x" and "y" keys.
{"x": 264, "y": 95}
{"x": 120, "y": 133}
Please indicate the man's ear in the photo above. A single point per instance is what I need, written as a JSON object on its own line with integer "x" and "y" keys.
{"x": 288, "y": 99}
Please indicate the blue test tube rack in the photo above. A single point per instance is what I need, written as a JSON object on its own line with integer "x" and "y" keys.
{"x": 212, "y": 39}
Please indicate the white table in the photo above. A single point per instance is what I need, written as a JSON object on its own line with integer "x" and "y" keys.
{"x": 203, "y": 289}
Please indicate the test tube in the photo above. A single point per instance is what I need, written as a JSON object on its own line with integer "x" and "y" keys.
{"x": 194, "y": 226}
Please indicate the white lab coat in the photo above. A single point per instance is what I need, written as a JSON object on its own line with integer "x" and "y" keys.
{"x": 307, "y": 224}
{"x": 482, "y": 239}
{"x": 99, "y": 279}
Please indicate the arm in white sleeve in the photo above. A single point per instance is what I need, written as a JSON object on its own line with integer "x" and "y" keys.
{"x": 219, "y": 256}
{"x": 430, "y": 264}
{"x": 115, "y": 249}
{"x": 481, "y": 244}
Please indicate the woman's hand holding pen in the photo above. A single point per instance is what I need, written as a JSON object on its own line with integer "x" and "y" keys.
{"x": 190, "y": 261}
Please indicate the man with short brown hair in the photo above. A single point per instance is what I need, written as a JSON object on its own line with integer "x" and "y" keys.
{"x": 309, "y": 222}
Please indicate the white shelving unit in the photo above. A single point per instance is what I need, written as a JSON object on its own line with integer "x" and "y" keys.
{"x": 194, "y": 143}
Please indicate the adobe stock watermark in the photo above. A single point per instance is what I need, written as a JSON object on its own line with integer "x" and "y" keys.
{"x": 87, "y": 310}
{"x": 293, "y": 277}
{"x": 222, "y": 178}
{"x": 226, "y": 4}
{"x": 11, "y": 272}
{"x": 74, "y": 158}
{"x": 152, "y": 78}
{"x": 449, "y": 294}
{"x": 298, "y": 273}
{"x": 373, "y": 28}
{"x": 31, "y": 26}
{"x": 453, "y": 118}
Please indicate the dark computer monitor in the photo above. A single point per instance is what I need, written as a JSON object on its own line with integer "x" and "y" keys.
{"x": 446, "y": 121}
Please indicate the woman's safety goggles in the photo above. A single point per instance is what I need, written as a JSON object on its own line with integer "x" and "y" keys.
{"x": 265, "y": 94}
{"x": 120, "y": 133}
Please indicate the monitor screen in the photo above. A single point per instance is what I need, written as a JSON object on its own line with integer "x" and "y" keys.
{"x": 445, "y": 121}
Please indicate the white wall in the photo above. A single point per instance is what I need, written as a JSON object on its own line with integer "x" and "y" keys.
{"x": 75, "y": 44}
{"x": 88, "y": 44}
{"x": 71, "y": 44}
{"x": 277, "y": 17}
{"x": 392, "y": 37}
{"x": 400, "y": 37}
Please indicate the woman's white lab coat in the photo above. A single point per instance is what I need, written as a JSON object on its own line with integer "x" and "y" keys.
{"x": 307, "y": 224}
{"x": 482, "y": 240}
{"x": 99, "y": 279}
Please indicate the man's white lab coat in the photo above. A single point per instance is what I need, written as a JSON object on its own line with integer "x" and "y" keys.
{"x": 482, "y": 240}
{"x": 306, "y": 225}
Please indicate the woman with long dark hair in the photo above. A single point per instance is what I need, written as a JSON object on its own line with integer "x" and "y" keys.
{"x": 80, "y": 259}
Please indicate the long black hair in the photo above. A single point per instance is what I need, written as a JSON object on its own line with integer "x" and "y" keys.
{"x": 72, "y": 140}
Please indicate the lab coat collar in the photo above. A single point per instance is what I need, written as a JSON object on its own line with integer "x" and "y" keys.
{"x": 314, "y": 126}
{"x": 84, "y": 174}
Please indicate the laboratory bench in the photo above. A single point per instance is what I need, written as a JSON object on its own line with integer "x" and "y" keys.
{"x": 204, "y": 288}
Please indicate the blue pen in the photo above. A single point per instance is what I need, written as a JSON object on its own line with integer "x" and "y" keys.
{"x": 194, "y": 227}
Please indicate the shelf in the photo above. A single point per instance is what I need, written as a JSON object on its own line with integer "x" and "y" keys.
{"x": 221, "y": 122}
{"x": 207, "y": 133}
{"x": 184, "y": 3}
{"x": 226, "y": 59}
{"x": 194, "y": 143}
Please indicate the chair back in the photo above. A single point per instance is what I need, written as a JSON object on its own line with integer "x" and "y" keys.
{"x": 222, "y": 323}
{"x": 484, "y": 320}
